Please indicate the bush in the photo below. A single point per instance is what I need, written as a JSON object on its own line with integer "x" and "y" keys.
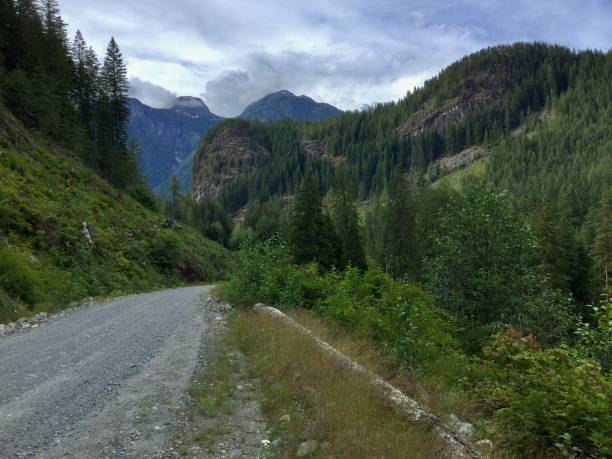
{"x": 17, "y": 277}
{"x": 259, "y": 272}
{"x": 595, "y": 339}
{"x": 143, "y": 194}
{"x": 167, "y": 250}
{"x": 548, "y": 398}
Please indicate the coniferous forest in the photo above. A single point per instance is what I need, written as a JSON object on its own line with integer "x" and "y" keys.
{"x": 59, "y": 88}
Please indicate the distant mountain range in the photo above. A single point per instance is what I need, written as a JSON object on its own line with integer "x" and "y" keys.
{"x": 168, "y": 137}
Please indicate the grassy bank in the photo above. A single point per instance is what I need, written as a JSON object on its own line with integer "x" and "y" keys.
{"x": 310, "y": 402}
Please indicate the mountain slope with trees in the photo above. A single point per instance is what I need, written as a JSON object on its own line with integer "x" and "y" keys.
{"x": 66, "y": 234}
{"x": 537, "y": 113}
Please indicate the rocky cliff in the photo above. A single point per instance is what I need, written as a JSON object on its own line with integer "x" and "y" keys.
{"x": 168, "y": 136}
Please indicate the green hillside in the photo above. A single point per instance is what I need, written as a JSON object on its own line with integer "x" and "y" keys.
{"x": 46, "y": 260}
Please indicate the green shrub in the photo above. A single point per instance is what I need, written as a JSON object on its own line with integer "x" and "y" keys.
{"x": 167, "y": 250}
{"x": 259, "y": 272}
{"x": 595, "y": 339}
{"x": 17, "y": 277}
{"x": 10, "y": 309}
{"x": 548, "y": 398}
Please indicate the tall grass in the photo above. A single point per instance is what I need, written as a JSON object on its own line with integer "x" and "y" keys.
{"x": 317, "y": 399}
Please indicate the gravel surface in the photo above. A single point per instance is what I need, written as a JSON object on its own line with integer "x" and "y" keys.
{"x": 106, "y": 381}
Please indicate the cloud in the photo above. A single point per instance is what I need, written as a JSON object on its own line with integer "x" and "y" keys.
{"x": 346, "y": 52}
{"x": 151, "y": 94}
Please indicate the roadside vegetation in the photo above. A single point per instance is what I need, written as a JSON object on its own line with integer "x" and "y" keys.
{"x": 484, "y": 335}
{"x": 313, "y": 406}
{"x": 77, "y": 219}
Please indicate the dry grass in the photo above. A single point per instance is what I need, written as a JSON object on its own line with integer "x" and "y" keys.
{"x": 309, "y": 396}
{"x": 431, "y": 393}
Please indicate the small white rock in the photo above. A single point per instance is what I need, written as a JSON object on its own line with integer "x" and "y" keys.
{"x": 465, "y": 429}
{"x": 308, "y": 447}
{"x": 266, "y": 442}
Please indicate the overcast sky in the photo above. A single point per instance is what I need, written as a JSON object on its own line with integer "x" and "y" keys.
{"x": 347, "y": 53}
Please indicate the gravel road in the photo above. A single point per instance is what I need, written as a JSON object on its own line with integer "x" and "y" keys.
{"x": 105, "y": 381}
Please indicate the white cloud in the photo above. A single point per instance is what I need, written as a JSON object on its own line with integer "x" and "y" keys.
{"x": 346, "y": 52}
{"x": 151, "y": 94}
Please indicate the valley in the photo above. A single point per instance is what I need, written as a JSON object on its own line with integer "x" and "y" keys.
{"x": 422, "y": 272}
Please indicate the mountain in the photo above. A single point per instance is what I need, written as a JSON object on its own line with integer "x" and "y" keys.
{"x": 284, "y": 105}
{"x": 476, "y": 102}
{"x": 168, "y": 135}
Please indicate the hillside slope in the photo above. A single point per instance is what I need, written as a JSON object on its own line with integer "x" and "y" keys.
{"x": 66, "y": 234}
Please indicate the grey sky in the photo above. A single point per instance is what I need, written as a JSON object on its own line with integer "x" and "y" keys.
{"x": 347, "y": 53}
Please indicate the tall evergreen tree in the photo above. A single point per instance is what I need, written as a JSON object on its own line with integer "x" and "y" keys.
{"x": 311, "y": 234}
{"x": 402, "y": 255}
{"x": 602, "y": 247}
{"x": 346, "y": 220}
{"x": 115, "y": 164}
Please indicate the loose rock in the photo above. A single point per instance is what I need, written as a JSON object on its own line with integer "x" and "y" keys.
{"x": 308, "y": 447}
{"x": 464, "y": 429}
{"x": 485, "y": 445}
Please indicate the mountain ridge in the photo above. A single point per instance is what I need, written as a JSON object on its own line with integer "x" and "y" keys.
{"x": 477, "y": 100}
{"x": 169, "y": 136}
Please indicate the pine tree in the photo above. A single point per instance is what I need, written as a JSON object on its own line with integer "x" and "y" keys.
{"x": 311, "y": 234}
{"x": 56, "y": 45}
{"x": 116, "y": 165}
{"x": 402, "y": 257}
{"x": 175, "y": 190}
{"x": 602, "y": 245}
{"x": 346, "y": 221}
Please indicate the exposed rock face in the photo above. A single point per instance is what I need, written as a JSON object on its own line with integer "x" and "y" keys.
{"x": 477, "y": 92}
{"x": 168, "y": 136}
{"x": 283, "y": 105}
{"x": 448, "y": 164}
{"x": 230, "y": 154}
